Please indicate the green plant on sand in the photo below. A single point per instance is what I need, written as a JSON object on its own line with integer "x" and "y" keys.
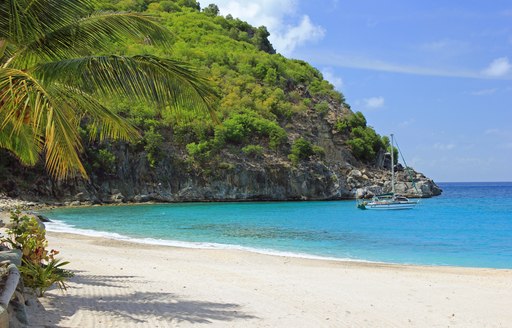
{"x": 40, "y": 277}
{"x": 27, "y": 235}
{"x": 40, "y": 269}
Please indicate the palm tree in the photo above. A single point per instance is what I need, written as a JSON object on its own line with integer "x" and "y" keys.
{"x": 50, "y": 79}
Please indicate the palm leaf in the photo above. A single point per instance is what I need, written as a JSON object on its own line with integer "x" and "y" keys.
{"x": 23, "y": 145}
{"x": 89, "y": 34}
{"x": 26, "y": 103}
{"x": 102, "y": 121}
{"x": 24, "y": 20}
{"x": 147, "y": 78}
{"x": 62, "y": 144}
{"x": 23, "y": 100}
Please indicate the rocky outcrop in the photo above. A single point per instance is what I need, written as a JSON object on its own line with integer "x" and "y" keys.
{"x": 230, "y": 175}
{"x": 243, "y": 179}
{"x": 412, "y": 184}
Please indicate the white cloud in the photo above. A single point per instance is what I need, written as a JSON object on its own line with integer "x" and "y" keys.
{"x": 492, "y": 131}
{"x": 287, "y": 29}
{"x": 441, "y": 146}
{"x": 498, "y": 132}
{"x": 293, "y": 36}
{"x": 484, "y": 92}
{"x": 331, "y": 77}
{"x": 360, "y": 61}
{"x": 498, "y": 67}
{"x": 445, "y": 47}
{"x": 502, "y": 138}
{"x": 407, "y": 122}
{"x": 373, "y": 102}
{"x": 363, "y": 62}
{"x": 435, "y": 45}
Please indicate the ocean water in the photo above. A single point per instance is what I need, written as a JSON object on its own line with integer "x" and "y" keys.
{"x": 469, "y": 225}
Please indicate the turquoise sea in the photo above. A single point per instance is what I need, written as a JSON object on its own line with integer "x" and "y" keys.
{"x": 469, "y": 225}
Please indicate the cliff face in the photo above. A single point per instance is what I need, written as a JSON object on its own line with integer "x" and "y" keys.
{"x": 230, "y": 176}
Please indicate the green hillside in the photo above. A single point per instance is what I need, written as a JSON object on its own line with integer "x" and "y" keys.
{"x": 279, "y": 130}
{"x": 260, "y": 93}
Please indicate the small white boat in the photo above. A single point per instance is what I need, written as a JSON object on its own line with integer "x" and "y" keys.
{"x": 389, "y": 201}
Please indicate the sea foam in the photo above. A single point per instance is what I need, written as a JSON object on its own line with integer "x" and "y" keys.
{"x": 62, "y": 227}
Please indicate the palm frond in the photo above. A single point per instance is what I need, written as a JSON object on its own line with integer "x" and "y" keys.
{"x": 148, "y": 78}
{"x": 23, "y": 145}
{"x": 23, "y": 100}
{"x": 90, "y": 34}
{"x": 62, "y": 144}
{"x": 102, "y": 121}
{"x": 28, "y": 110}
{"x": 20, "y": 98}
{"x": 11, "y": 20}
{"x": 24, "y": 20}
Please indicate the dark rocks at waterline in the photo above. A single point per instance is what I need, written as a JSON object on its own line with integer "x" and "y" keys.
{"x": 315, "y": 181}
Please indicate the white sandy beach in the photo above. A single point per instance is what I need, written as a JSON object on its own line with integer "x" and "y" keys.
{"x": 120, "y": 284}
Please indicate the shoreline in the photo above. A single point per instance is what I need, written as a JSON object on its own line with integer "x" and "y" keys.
{"x": 119, "y": 283}
{"x": 231, "y": 247}
{"x": 128, "y": 243}
{"x": 200, "y": 245}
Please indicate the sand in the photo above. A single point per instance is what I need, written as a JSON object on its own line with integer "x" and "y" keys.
{"x": 120, "y": 284}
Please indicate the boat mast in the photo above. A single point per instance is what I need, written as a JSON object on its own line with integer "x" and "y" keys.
{"x": 392, "y": 166}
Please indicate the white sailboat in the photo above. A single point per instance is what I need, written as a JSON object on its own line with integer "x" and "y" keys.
{"x": 389, "y": 201}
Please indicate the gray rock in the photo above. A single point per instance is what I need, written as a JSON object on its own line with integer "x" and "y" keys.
{"x": 82, "y": 197}
{"x": 142, "y": 198}
{"x": 13, "y": 256}
{"x": 117, "y": 198}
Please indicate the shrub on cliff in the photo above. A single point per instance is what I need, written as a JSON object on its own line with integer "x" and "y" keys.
{"x": 350, "y": 122}
{"x": 254, "y": 151}
{"x": 303, "y": 150}
{"x": 153, "y": 146}
{"x": 200, "y": 151}
{"x": 363, "y": 141}
{"x": 241, "y": 128}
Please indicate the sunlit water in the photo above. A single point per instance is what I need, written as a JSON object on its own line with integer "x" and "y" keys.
{"x": 469, "y": 225}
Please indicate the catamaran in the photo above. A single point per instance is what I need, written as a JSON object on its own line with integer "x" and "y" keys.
{"x": 389, "y": 201}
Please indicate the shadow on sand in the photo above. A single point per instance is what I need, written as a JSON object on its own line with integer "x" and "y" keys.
{"x": 133, "y": 307}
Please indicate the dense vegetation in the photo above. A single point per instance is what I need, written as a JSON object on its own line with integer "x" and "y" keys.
{"x": 260, "y": 92}
{"x": 258, "y": 89}
{"x": 261, "y": 95}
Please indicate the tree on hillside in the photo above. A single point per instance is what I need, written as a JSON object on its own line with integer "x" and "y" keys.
{"x": 51, "y": 79}
{"x": 211, "y": 10}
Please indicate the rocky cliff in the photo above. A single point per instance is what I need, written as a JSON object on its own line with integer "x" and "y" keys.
{"x": 230, "y": 176}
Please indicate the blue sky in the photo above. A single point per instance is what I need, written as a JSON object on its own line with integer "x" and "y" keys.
{"x": 437, "y": 74}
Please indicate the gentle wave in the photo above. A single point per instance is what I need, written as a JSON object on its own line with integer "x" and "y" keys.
{"x": 59, "y": 226}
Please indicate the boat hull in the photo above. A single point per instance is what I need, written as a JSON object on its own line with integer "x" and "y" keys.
{"x": 391, "y": 206}
{"x": 387, "y": 204}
